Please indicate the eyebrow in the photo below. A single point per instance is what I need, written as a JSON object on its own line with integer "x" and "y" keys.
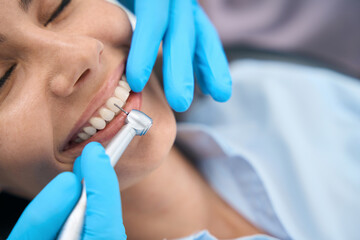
{"x": 25, "y": 4}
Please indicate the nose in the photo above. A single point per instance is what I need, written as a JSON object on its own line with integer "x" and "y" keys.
{"x": 69, "y": 60}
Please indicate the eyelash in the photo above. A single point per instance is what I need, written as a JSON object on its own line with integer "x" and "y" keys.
{"x": 6, "y": 75}
{"x": 56, "y": 13}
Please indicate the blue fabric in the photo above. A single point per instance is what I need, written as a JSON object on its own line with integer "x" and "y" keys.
{"x": 205, "y": 235}
{"x": 284, "y": 151}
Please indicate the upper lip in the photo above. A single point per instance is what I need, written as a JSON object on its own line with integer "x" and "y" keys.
{"x": 97, "y": 101}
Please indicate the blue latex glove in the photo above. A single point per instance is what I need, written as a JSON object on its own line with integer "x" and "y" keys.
{"x": 190, "y": 43}
{"x": 45, "y": 215}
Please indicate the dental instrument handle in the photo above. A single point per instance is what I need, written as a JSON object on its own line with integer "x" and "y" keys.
{"x": 138, "y": 123}
{"x": 116, "y": 148}
{"x": 73, "y": 226}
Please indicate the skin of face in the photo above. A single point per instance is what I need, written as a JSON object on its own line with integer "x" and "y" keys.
{"x": 59, "y": 69}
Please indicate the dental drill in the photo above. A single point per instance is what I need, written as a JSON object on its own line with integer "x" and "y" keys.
{"x": 137, "y": 124}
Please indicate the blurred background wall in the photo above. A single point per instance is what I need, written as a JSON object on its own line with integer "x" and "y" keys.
{"x": 323, "y": 31}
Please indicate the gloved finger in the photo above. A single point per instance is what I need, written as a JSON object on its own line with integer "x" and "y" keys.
{"x": 129, "y": 4}
{"x": 212, "y": 70}
{"x": 77, "y": 168}
{"x": 47, "y": 212}
{"x": 103, "y": 218}
{"x": 178, "y": 52}
{"x": 200, "y": 80}
{"x": 152, "y": 20}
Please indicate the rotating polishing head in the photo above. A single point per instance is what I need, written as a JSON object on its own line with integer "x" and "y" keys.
{"x": 138, "y": 120}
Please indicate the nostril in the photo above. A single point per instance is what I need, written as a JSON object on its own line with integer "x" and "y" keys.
{"x": 82, "y": 77}
{"x": 101, "y": 50}
{"x": 100, "y": 55}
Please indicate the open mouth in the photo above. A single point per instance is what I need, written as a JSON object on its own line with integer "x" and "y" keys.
{"x": 103, "y": 124}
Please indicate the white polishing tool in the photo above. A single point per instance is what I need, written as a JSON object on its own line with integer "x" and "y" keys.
{"x": 137, "y": 123}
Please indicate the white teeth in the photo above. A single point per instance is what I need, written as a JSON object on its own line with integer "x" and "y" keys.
{"x": 122, "y": 93}
{"x": 83, "y": 136}
{"x": 111, "y": 104}
{"x": 106, "y": 114}
{"x": 89, "y": 130}
{"x": 125, "y": 85}
{"x": 98, "y": 123}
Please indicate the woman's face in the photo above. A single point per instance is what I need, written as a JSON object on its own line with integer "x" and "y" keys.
{"x": 65, "y": 67}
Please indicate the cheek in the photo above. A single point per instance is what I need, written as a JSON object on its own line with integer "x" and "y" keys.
{"x": 26, "y": 163}
{"x": 147, "y": 152}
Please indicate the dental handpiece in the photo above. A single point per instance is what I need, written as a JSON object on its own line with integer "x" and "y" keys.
{"x": 137, "y": 123}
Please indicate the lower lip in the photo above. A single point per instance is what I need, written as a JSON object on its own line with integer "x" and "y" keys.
{"x": 104, "y": 136}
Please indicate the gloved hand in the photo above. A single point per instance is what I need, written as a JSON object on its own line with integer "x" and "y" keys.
{"x": 190, "y": 43}
{"x": 46, "y": 213}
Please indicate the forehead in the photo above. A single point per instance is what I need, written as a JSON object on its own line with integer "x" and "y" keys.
{"x": 17, "y": 14}
{"x": 10, "y": 5}
{"x": 24, "y": 4}
{"x": 12, "y": 10}
{"x": 16, "y": 8}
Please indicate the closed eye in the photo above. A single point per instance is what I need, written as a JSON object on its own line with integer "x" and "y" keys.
{"x": 58, "y": 11}
{"x": 7, "y": 75}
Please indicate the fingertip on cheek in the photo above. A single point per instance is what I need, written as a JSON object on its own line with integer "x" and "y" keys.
{"x": 92, "y": 146}
{"x": 68, "y": 182}
{"x": 77, "y": 168}
{"x": 93, "y": 151}
{"x": 136, "y": 80}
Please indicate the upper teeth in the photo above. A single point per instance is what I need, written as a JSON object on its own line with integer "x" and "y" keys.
{"x": 111, "y": 104}
{"x": 106, "y": 114}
